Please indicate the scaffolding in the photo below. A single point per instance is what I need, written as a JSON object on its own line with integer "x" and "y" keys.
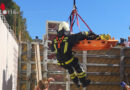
{"x": 105, "y": 68}
{"x": 30, "y": 64}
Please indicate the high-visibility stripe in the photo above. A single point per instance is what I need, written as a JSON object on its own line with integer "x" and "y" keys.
{"x": 81, "y": 75}
{"x": 55, "y": 48}
{"x": 73, "y": 75}
{"x": 58, "y": 63}
{"x": 55, "y": 41}
{"x": 65, "y": 47}
{"x": 66, "y": 38}
{"x": 69, "y": 61}
{"x": 84, "y": 75}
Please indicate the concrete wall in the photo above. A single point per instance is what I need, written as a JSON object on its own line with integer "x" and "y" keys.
{"x": 8, "y": 59}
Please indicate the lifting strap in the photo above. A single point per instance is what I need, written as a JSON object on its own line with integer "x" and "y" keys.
{"x": 74, "y": 14}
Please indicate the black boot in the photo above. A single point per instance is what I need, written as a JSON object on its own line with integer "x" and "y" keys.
{"x": 85, "y": 81}
{"x": 76, "y": 82}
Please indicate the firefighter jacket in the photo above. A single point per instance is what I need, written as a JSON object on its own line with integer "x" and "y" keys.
{"x": 63, "y": 45}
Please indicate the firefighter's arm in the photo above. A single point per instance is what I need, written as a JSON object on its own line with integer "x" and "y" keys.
{"x": 78, "y": 36}
{"x": 85, "y": 35}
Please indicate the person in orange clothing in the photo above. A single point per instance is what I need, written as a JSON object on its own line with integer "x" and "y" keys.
{"x": 44, "y": 84}
{"x": 123, "y": 84}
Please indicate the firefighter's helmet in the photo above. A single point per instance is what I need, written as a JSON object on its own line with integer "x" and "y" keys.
{"x": 64, "y": 26}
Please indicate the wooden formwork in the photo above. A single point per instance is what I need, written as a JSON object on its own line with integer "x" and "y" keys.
{"x": 96, "y": 87}
{"x": 102, "y": 78}
{"x": 33, "y": 67}
{"x": 27, "y": 65}
{"x": 23, "y": 67}
{"x": 58, "y": 77}
{"x": 103, "y": 69}
{"x": 54, "y": 67}
{"x": 103, "y": 87}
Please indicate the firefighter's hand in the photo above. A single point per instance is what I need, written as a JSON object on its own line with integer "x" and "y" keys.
{"x": 51, "y": 79}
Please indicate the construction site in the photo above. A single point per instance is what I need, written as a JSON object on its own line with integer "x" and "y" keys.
{"x": 23, "y": 64}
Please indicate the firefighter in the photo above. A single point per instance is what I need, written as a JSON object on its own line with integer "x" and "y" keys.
{"x": 62, "y": 45}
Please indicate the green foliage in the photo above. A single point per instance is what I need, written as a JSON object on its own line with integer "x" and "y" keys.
{"x": 16, "y": 21}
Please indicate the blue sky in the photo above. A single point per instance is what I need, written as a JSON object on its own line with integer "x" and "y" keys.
{"x": 103, "y": 16}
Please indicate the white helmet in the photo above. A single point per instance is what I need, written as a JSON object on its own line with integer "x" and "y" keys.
{"x": 64, "y": 25}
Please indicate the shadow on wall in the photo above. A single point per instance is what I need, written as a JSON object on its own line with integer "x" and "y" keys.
{"x": 7, "y": 85}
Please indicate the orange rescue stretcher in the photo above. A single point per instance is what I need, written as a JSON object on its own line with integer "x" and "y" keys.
{"x": 86, "y": 45}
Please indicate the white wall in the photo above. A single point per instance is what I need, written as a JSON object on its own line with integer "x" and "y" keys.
{"x": 8, "y": 59}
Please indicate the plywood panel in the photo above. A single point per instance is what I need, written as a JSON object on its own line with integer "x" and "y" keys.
{"x": 57, "y": 87}
{"x": 54, "y": 67}
{"x": 33, "y": 57}
{"x": 97, "y": 87}
{"x": 103, "y": 87}
{"x": 33, "y": 48}
{"x": 104, "y": 78}
{"x": 80, "y": 58}
{"x": 41, "y": 58}
{"x": 33, "y": 67}
{"x": 23, "y": 86}
{"x": 127, "y": 70}
{"x": 41, "y": 48}
{"x": 58, "y": 77}
{"x": 24, "y": 57}
{"x": 106, "y": 52}
{"x": 24, "y": 48}
{"x": 104, "y": 60}
{"x": 127, "y": 52}
{"x": 32, "y": 86}
{"x": 33, "y": 76}
{"x": 24, "y": 67}
{"x": 23, "y": 76}
{"x": 73, "y": 87}
{"x": 103, "y": 69}
{"x": 127, "y": 61}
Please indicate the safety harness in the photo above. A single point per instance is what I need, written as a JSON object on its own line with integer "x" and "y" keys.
{"x": 59, "y": 40}
{"x": 57, "y": 45}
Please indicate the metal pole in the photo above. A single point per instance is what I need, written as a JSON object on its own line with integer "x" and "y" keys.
{"x": 85, "y": 63}
{"x": 122, "y": 65}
